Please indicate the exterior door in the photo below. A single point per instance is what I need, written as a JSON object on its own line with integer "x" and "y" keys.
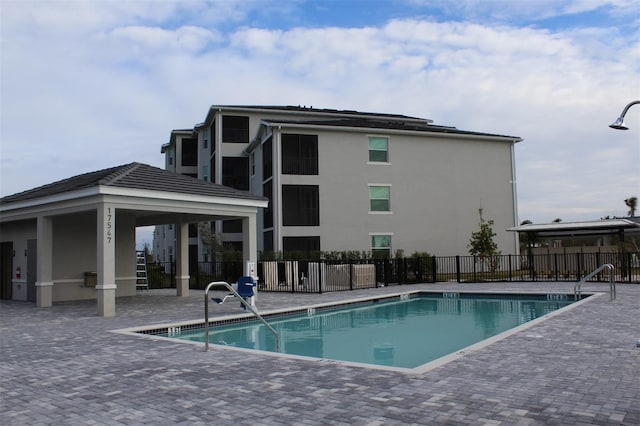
{"x": 32, "y": 269}
{"x": 6, "y": 270}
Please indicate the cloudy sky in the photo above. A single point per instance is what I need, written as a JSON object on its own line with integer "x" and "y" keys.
{"x": 87, "y": 85}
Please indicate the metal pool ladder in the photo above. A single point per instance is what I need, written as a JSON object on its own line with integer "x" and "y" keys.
{"x": 577, "y": 290}
{"x": 244, "y": 303}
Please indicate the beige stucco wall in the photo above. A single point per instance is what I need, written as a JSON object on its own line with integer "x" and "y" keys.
{"x": 18, "y": 233}
{"x": 75, "y": 252}
{"x": 437, "y": 187}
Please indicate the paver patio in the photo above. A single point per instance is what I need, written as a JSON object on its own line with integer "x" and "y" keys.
{"x": 62, "y": 366}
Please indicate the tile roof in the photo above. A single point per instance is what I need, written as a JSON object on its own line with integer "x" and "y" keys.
{"x": 387, "y": 125}
{"x": 134, "y": 176}
{"x": 311, "y": 109}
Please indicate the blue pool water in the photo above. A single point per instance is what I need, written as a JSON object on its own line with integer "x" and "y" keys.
{"x": 400, "y": 333}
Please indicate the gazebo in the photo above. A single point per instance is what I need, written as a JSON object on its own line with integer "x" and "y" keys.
{"x": 52, "y": 235}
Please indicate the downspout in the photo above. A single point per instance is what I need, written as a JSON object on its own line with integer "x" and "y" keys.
{"x": 514, "y": 194}
{"x": 218, "y": 122}
{"x": 277, "y": 191}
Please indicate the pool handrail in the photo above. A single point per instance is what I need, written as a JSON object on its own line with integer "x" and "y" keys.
{"x": 577, "y": 289}
{"x": 243, "y": 302}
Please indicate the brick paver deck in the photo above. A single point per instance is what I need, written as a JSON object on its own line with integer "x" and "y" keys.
{"x": 62, "y": 366}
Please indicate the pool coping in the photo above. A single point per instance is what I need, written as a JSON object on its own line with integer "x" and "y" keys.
{"x": 139, "y": 331}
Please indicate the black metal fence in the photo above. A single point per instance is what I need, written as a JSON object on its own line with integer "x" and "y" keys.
{"x": 318, "y": 276}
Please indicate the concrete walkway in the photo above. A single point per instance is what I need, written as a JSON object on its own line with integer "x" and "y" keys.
{"x": 62, "y": 366}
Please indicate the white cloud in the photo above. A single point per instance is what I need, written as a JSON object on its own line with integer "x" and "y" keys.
{"x": 257, "y": 41}
{"x": 106, "y": 85}
{"x": 502, "y": 10}
{"x": 152, "y": 39}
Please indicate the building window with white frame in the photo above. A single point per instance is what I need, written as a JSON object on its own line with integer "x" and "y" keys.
{"x": 378, "y": 149}
{"x": 381, "y": 245}
{"x": 379, "y": 198}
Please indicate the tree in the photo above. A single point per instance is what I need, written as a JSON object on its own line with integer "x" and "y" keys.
{"x": 632, "y": 203}
{"x": 482, "y": 245}
{"x": 211, "y": 241}
{"x": 147, "y": 252}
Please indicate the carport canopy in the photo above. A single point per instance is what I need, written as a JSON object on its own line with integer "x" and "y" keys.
{"x": 144, "y": 196}
{"x": 588, "y": 228}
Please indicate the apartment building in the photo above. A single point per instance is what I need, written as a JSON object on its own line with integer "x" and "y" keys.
{"x": 347, "y": 180}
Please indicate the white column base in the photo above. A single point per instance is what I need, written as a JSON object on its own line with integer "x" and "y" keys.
{"x": 182, "y": 286}
{"x": 44, "y": 294}
{"x": 106, "y": 300}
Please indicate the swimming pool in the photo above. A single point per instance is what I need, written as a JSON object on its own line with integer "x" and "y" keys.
{"x": 403, "y": 331}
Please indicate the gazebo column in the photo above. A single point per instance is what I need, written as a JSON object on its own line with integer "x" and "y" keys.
{"x": 44, "y": 278}
{"x": 249, "y": 239}
{"x": 250, "y": 247}
{"x": 182, "y": 259}
{"x": 106, "y": 285}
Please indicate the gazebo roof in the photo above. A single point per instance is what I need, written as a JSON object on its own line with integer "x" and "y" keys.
{"x": 155, "y": 195}
{"x": 132, "y": 176}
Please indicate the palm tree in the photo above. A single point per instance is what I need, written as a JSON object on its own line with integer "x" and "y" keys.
{"x": 632, "y": 203}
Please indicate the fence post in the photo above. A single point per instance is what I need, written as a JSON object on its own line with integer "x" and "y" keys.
{"x": 628, "y": 266}
{"x": 458, "y": 268}
{"x": 532, "y": 274}
{"x": 434, "y": 266}
{"x": 579, "y": 271}
{"x": 288, "y": 272}
{"x": 475, "y": 278}
{"x": 351, "y": 263}
{"x": 386, "y": 272}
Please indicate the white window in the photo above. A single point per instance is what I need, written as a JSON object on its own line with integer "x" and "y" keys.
{"x": 378, "y": 149}
{"x": 379, "y": 198}
{"x": 381, "y": 245}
